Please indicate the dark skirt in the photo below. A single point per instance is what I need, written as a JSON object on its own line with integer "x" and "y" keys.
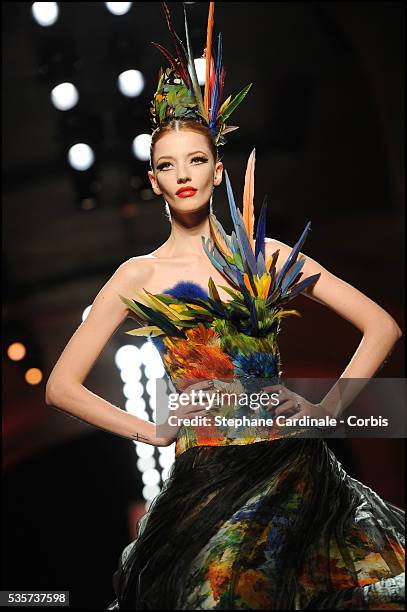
{"x": 271, "y": 525}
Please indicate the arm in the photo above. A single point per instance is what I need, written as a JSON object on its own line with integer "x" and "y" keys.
{"x": 65, "y": 389}
{"x": 380, "y": 331}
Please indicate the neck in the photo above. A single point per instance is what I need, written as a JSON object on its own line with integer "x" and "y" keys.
{"x": 186, "y": 231}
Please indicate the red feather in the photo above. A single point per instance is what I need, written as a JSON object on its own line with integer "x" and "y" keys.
{"x": 168, "y": 55}
{"x": 221, "y": 84}
{"x": 182, "y": 70}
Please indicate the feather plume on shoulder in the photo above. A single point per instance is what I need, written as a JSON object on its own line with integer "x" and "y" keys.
{"x": 248, "y": 198}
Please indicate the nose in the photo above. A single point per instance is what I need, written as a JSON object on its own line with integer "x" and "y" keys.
{"x": 183, "y": 175}
{"x": 182, "y": 179}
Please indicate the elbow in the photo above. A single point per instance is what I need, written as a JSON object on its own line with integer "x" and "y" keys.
{"x": 49, "y": 396}
{"x": 385, "y": 327}
{"x": 392, "y": 329}
{"x": 51, "y": 393}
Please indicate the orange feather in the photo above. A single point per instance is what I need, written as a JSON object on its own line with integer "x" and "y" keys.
{"x": 248, "y": 284}
{"x": 248, "y": 197}
{"x": 208, "y": 55}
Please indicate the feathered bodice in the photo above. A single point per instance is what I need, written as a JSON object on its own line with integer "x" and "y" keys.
{"x": 203, "y": 338}
{"x": 238, "y": 363}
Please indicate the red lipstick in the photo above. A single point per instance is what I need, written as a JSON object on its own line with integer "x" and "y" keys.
{"x": 186, "y": 192}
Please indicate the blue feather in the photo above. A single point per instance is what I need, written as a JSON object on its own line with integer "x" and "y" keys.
{"x": 293, "y": 255}
{"x": 261, "y": 230}
{"x": 215, "y": 93}
{"x": 253, "y": 317}
{"x": 187, "y": 289}
{"x": 233, "y": 210}
{"x": 247, "y": 249}
{"x": 261, "y": 264}
{"x": 292, "y": 275}
{"x": 303, "y": 285}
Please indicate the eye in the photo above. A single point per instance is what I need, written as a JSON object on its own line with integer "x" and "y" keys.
{"x": 200, "y": 158}
{"x": 162, "y": 165}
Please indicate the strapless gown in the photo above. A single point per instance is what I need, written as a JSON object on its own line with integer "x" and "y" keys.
{"x": 246, "y": 523}
{"x": 250, "y": 521}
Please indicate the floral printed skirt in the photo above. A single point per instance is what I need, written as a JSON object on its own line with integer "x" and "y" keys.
{"x": 266, "y": 526}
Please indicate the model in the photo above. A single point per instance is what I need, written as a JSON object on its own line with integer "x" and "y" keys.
{"x": 249, "y": 517}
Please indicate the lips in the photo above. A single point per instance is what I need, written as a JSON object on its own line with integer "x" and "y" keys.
{"x": 186, "y": 192}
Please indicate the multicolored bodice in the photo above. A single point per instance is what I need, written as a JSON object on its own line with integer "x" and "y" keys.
{"x": 238, "y": 364}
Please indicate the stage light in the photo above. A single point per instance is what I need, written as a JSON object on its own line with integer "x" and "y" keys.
{"x": 81, "y": 156}
{"x": 144, "y": 450}
{"x": 64, "y": 96}
{"x": 154, "y": 370}
{"x": 133, "y": 389}
{"x": 141, "y": 146}
{"x": 118, "y": 8}
{"x": 33, "y": 376}
{"x": 130, "y": 374}
{"x": 200, "y": 67}
{"x": 86, "y": 312}
{"x": 151, "y": 477}
{"x": 45, "y": 13}
{"x": 127, "y": 357}
{"x": 145, "y": 463}
{"x": 149, "y": 492}
{"x": 88, "y": 203}
{"x": 166, "y": 460}
{"x": 16, "y": 351}
{"x": 136, "y": 405}
{"x": 147, "y": 194}
{"x": 149, "y": 353}
{"x": 131, "y": 83}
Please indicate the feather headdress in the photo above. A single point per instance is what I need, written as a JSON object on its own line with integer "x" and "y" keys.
{"x": 178, "y": 93}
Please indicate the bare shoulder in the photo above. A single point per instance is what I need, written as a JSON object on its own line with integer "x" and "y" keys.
{"x": 135, "y": 269}
{"x": 129, "y": 276}
{"x": 273, "y": 245}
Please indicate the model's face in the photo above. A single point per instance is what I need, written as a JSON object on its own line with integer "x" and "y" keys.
{"x": 184, "y": 160}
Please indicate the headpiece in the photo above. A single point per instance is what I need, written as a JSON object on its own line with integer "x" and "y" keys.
{"x": 178, "y": 92}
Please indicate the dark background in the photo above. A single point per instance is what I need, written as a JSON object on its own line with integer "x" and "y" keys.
{"x": 326, "y": 115}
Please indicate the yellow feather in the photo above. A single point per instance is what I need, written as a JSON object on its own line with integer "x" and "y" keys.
{"x": 164, "y": 308}
{"x": 224, "y": 105}
{"x": 266, "y": 287}
{"x": 271, "y": 261}
{"x": 248, "y": 196}
{"x": 286, "y": 313}
{"x": 148, "y": 330}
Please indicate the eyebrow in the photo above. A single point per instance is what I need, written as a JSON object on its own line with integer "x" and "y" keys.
{"x": 169, "y": 156}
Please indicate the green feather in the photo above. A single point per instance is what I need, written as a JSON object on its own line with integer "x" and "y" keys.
{"x": 192, "y": 71}
{"x": 235, "y": 102}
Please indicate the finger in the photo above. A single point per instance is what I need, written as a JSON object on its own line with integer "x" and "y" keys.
{"x": 281, "y": 400}
{"x": 285, "y": 407}
{"x": 273, "y": 388}
{"x": 198, "y": 409}
{"x": 202, "y": 385}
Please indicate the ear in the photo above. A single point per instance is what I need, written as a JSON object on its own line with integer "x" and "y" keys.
{"x": 217, "y": 178}
{"x": 154, "y": 183}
